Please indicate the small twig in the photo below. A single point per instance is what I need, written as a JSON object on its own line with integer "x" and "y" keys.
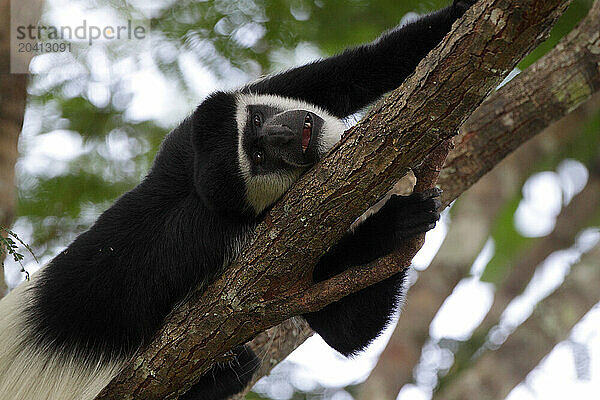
{"x": 9, "y": 246}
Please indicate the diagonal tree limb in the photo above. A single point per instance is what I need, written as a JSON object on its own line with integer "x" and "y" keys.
{"x": 269, "y": 282}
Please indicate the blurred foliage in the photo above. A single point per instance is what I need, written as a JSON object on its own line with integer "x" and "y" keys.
{"x": 509, "y": 243}
{"x": 225, "y": 25}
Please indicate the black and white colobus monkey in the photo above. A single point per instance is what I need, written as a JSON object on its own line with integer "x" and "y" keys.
{"x": 69, "y": 330}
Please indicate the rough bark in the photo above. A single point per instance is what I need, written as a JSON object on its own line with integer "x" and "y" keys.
{"x": 496, "y": 373}
{"x": 271, "y": 281}
{"x": 273, "y": 345}
{"x": 13, "y": 93}
{"x": 480, "y": 155}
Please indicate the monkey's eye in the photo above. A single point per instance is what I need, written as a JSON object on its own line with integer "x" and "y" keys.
{"x": 256, "y": 121}
{"x": 257, "y": 157}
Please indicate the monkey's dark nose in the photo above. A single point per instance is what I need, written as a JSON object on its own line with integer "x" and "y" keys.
{"x": 277, "y": 135}
{"x": 283, "y": 128}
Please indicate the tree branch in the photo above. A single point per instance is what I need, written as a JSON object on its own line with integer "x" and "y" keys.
{"x": 267, "y": 283}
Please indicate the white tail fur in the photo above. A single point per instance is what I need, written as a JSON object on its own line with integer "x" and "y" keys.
{"x": 28, "y": 372}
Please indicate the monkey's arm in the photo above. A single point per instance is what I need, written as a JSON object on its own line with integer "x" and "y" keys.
{"x": 400, "y": 218}
{"x": 345, "y": 83}
{"x": 350, "y": 324}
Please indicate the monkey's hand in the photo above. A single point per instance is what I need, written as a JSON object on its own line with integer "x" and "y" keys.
{"x": 400, "y": 218}
{"x": 414, "y": 214}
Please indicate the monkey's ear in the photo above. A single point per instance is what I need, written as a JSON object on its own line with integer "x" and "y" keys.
{"x": 215, "y": 117}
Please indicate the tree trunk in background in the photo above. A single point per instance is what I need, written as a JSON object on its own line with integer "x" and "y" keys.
{"x": 496, "y": 373}
{"x": 13, "y": 93}
{"x": 583, "y": 210}
{"x": 275, "y": 344}
{"x": 12, "y": 107}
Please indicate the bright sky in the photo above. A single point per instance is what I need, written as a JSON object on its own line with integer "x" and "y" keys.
{"x": 314, "y": 363}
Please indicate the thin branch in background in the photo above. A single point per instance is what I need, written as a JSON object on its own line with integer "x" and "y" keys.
{"x": 497, "y": 372}
{"x": 579, "y": 214}
{"x": 8, "y": 246}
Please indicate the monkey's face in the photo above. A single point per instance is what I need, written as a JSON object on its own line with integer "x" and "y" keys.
{"x": 275, "y": 139}
{"x": 279, "y": 139}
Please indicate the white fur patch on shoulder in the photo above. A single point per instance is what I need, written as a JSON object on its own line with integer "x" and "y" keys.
{"x": 262, "y": 191}
{"x": 28, "y": 372}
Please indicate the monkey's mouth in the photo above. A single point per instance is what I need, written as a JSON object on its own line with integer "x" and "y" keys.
{"x": 307, "y": 131}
